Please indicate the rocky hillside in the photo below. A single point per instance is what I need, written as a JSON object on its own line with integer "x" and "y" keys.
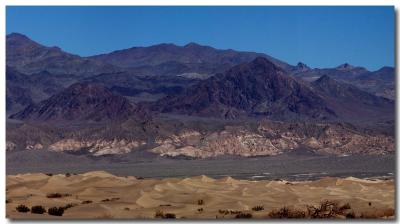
{"x": 258, "y": 88}
{"x": 79, "y": 102}
{"x": 196, "y": 140}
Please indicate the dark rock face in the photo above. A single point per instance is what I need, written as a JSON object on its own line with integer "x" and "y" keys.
{"x": 251, "y": 89}
{"x": 82, "y": 102}
{"x": 30, "y": 57}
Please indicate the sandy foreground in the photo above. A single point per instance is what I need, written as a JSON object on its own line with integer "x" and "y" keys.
{"x": 100, "y": 195}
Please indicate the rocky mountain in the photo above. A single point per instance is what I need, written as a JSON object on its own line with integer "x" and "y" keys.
{"x": 380, "y": 82}
{"x": 30, "y": 57}
{"x": 79, "y": 102}
{"x": 351, "y": 103}
{"x": 250, "y": 89}
{"x": 171, "y": 59}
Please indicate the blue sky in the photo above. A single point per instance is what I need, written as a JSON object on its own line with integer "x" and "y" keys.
{"x": 317, "y": 36}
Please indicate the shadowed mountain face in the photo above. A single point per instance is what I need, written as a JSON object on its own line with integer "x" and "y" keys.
{"x": 79, "y": 102}
{"x": 169, "y": 58}
{"x": 30, "y": 57}
{"x": 352, "y": 103}
{"x": 255, "y": 88}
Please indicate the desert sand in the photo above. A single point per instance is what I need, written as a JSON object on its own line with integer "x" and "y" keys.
{"x": 101, "y": 195}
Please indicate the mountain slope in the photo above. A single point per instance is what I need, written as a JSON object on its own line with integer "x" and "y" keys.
{"x": 351, "y": 102}
{"x": 250, "y": 89}
{"x": 79, "y": 102}
{"x": 29, "y": 57}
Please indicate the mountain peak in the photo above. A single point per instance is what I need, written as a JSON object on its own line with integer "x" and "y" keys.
{"x": 345, "y": 66}
{"x": 192, "y": 45}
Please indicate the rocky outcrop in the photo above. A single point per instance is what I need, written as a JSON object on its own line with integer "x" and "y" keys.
{"x": 96, "y": 147}
{"x": 272, "y": 138}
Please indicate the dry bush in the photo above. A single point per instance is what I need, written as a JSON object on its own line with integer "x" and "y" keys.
{"x": 49, "y": 174}
{"x": 38, "y": 209}
{"x": 200, "y": 210}
{"x": 56, "y": 211}
{"x": 67, "y": 175}
{"x": 258, "y": 208}
{"x": 287, "y": 213}
{"x": 162, "y": 215}
{"x": 57, "y": 195}
{"x": 70, "y": 205}
{"x": 22, "y": 208}
{"x": 244, "y": 216}
{"x": 110, "y": 199}
{"x": 327, "y": 209}
{"x": 200, "y": 202}
{"x": 86, "y": 202}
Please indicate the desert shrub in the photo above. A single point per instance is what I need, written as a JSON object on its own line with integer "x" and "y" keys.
{"x": 70, "y": 205}
{"x": 67, "y": 175}
{"x": 38, "y": 209}
{"x": 200, "y": 202}
{"x": 345, "y": 207}
{"x": 56, "y": 211}
{"x": 224, "y": 212}
{"x": 87, "y": 202}
{"x": 169, "y": 216}
{"x": 162, "y": 215}
{"x": 287, "y": 213}
{"x": 244, "y": 216}
{"x": 22, "y": 208}
{"x": 49, "y": 174}
{"x": 159, "y": 214}
{"x": 350, "y": 215}
{"x": 57, "y": 195}
{"x": 258, "y": 208}
{"x": 326, "y": 209}
{"x": 200, "y": 210}
{"x": 127, "y": 209}
{"x": 110, "y": 199}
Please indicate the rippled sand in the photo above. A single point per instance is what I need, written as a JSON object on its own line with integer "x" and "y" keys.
{"x": 131, "y": 198}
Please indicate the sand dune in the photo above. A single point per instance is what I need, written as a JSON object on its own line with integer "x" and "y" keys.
{"x": 102, "y": 195}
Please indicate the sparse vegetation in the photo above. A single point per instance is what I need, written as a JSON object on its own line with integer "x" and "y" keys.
{"x": 38, "y": 209}
{"x": 244, "y": 216}
{"x": 287, "y": 213}
{"x": 326, "y": 209}
{"x": 162, "y": 215}
{"x": 49, "y": 174}
{"x": 200, "y": 210}
{"x": 70, "y": 205}
{"x": 67, "y": 175}
{"x": 258, "y": 208}
{"x": 110, "y": 199}
{"x": 200, "y": 202}
{"x": 87, "y": 202}
{"x": 57, "y": 195}
{"x": 350, "y": 215}
{"x": 56, "y": 211}
{"x": 22, "y": 208}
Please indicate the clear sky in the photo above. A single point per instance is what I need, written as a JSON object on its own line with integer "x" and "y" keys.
{"x": 317, "y": 36}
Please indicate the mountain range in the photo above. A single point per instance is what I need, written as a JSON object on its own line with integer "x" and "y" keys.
{"x": 147, "y": 90}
